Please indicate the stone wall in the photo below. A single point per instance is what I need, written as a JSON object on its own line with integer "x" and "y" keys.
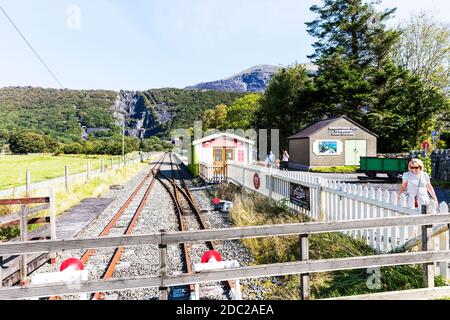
{"x": 440, "y": 164}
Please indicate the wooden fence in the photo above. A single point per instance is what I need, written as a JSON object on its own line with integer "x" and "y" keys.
{"x": 428, "y": 257}
{"x": 23, "y": 220}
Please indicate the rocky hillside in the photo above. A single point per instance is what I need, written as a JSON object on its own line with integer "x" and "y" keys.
{"x": 69, "y": 115}
{"x": 254, "y": 79}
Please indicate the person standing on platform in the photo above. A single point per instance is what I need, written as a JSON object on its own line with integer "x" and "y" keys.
{"x": 285, "y": 160}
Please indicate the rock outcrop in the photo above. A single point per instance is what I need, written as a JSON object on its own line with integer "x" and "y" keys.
{"x": 254, "y": 79}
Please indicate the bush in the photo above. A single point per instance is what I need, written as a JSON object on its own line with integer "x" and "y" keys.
{"x": 27, "y": 142}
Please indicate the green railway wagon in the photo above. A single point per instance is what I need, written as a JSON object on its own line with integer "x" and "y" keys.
{"x": 371, "y": 166}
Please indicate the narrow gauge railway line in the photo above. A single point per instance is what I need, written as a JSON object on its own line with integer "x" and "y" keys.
{"x": 119, "y": 222}
{"x": 189, "y": 218}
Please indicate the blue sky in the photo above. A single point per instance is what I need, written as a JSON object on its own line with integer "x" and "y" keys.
{"x": 144, "y": 44}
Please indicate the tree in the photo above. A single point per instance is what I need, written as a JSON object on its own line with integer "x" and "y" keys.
{"x": 353, "y": 29}
{"x": 424, "y": 48}
{"x": 215, "y": 118}
{"x": 241, "y": 114}
{"x": 405, "y": 112}
{"x": 286, "y": 104}
{"x": 27, "y": 142}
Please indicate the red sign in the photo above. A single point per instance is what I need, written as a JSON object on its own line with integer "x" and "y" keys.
{"x": 216, "y": 200}
{"x": 211, "y": 256}
{"x": 72, "y": 262}
{"x": 426, "y": 145}
{"x": 256, "y": 181}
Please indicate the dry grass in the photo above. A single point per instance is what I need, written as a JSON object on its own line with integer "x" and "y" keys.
{"x": 97, "y": 187}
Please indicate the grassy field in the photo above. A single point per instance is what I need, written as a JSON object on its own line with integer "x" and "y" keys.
{"x": 43, "y": 167}
{"x": 66, "y": 199}
{"x": 339, "y": 169}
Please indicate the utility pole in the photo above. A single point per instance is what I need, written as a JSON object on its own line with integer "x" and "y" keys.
{"x": 123, "y": 141}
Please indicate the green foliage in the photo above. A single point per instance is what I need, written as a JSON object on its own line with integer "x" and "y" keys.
{"x": 406, "y": 110}
{"x": 338, "y": 169}
{"x": 155, "y": 144}
{"x": 215, "y": 118}
{"x": 32, "y": 142}
{"x": 187, "y": 106}
{"x": 286, "y": 104}
{"x": 242, "y": 113}
{"x": 353, "y": 29}
{"x": 54, "y": 112}
{"x": 445, "y": 137}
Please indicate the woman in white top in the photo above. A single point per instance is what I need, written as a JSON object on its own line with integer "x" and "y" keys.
{"x": 417, "y": 183}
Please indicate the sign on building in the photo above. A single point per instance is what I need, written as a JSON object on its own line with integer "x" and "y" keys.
{"x": 300, "y": 196}
{"x": 435, "y": 135}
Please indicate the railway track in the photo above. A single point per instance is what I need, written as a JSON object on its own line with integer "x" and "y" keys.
{"x": 170, "y": 206}
{"x": 190, "y": 218}
{"x": 123, "y": 223}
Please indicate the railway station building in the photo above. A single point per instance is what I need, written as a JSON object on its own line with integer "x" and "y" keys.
{"x": 220, "y": 148}
{"x": 338, "y": 141}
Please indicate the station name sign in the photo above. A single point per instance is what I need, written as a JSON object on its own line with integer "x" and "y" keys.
{"x": 342, "y": 131}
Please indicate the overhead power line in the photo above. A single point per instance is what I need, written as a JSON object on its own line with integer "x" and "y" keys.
{"x": 32, "y": 49}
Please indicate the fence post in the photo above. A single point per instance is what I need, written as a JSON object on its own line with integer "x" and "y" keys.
{"x": 24, "y": 230}
{"x": 162, "y": 267}
{"x": 66, "y": 177}
{"x": 102, "y": 166}
{"x": 1, "y": 269}
{"x": 23, "y": 238}
{"x": 88, "y": 171}
{"x": 112, "y": 164}
{"x": 304, "y": 278}
{"x": 52, "y": 222}
{"x": 427, "y": 245}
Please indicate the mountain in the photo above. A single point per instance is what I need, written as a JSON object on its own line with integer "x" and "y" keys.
{"x": 254, "y": 79}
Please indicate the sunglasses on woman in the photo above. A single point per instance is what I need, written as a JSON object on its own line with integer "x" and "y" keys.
{"x": 415, "y": 168}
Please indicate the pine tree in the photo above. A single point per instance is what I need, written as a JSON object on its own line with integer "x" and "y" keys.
{"x": 353, "y": 29}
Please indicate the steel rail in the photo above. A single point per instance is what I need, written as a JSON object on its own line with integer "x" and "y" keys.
{"x": 119, "y": 251}
{"x": 87, "y": 255}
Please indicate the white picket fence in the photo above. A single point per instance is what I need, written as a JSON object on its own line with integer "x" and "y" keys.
{"x": 339, "y": 201}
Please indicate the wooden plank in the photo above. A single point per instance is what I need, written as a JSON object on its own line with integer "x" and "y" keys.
{"x": 30, "y": 221}
{"x": 414, "y": 294}
{"x": 13, "y": 218}
{"x": 298, "y": 267}
{"x": 163, "y": 291}
{"x": 7, "y": 202}
{"x": 218, "y": 234}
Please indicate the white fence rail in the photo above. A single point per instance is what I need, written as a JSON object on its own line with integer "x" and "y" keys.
{"x": 338, "y": 201}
